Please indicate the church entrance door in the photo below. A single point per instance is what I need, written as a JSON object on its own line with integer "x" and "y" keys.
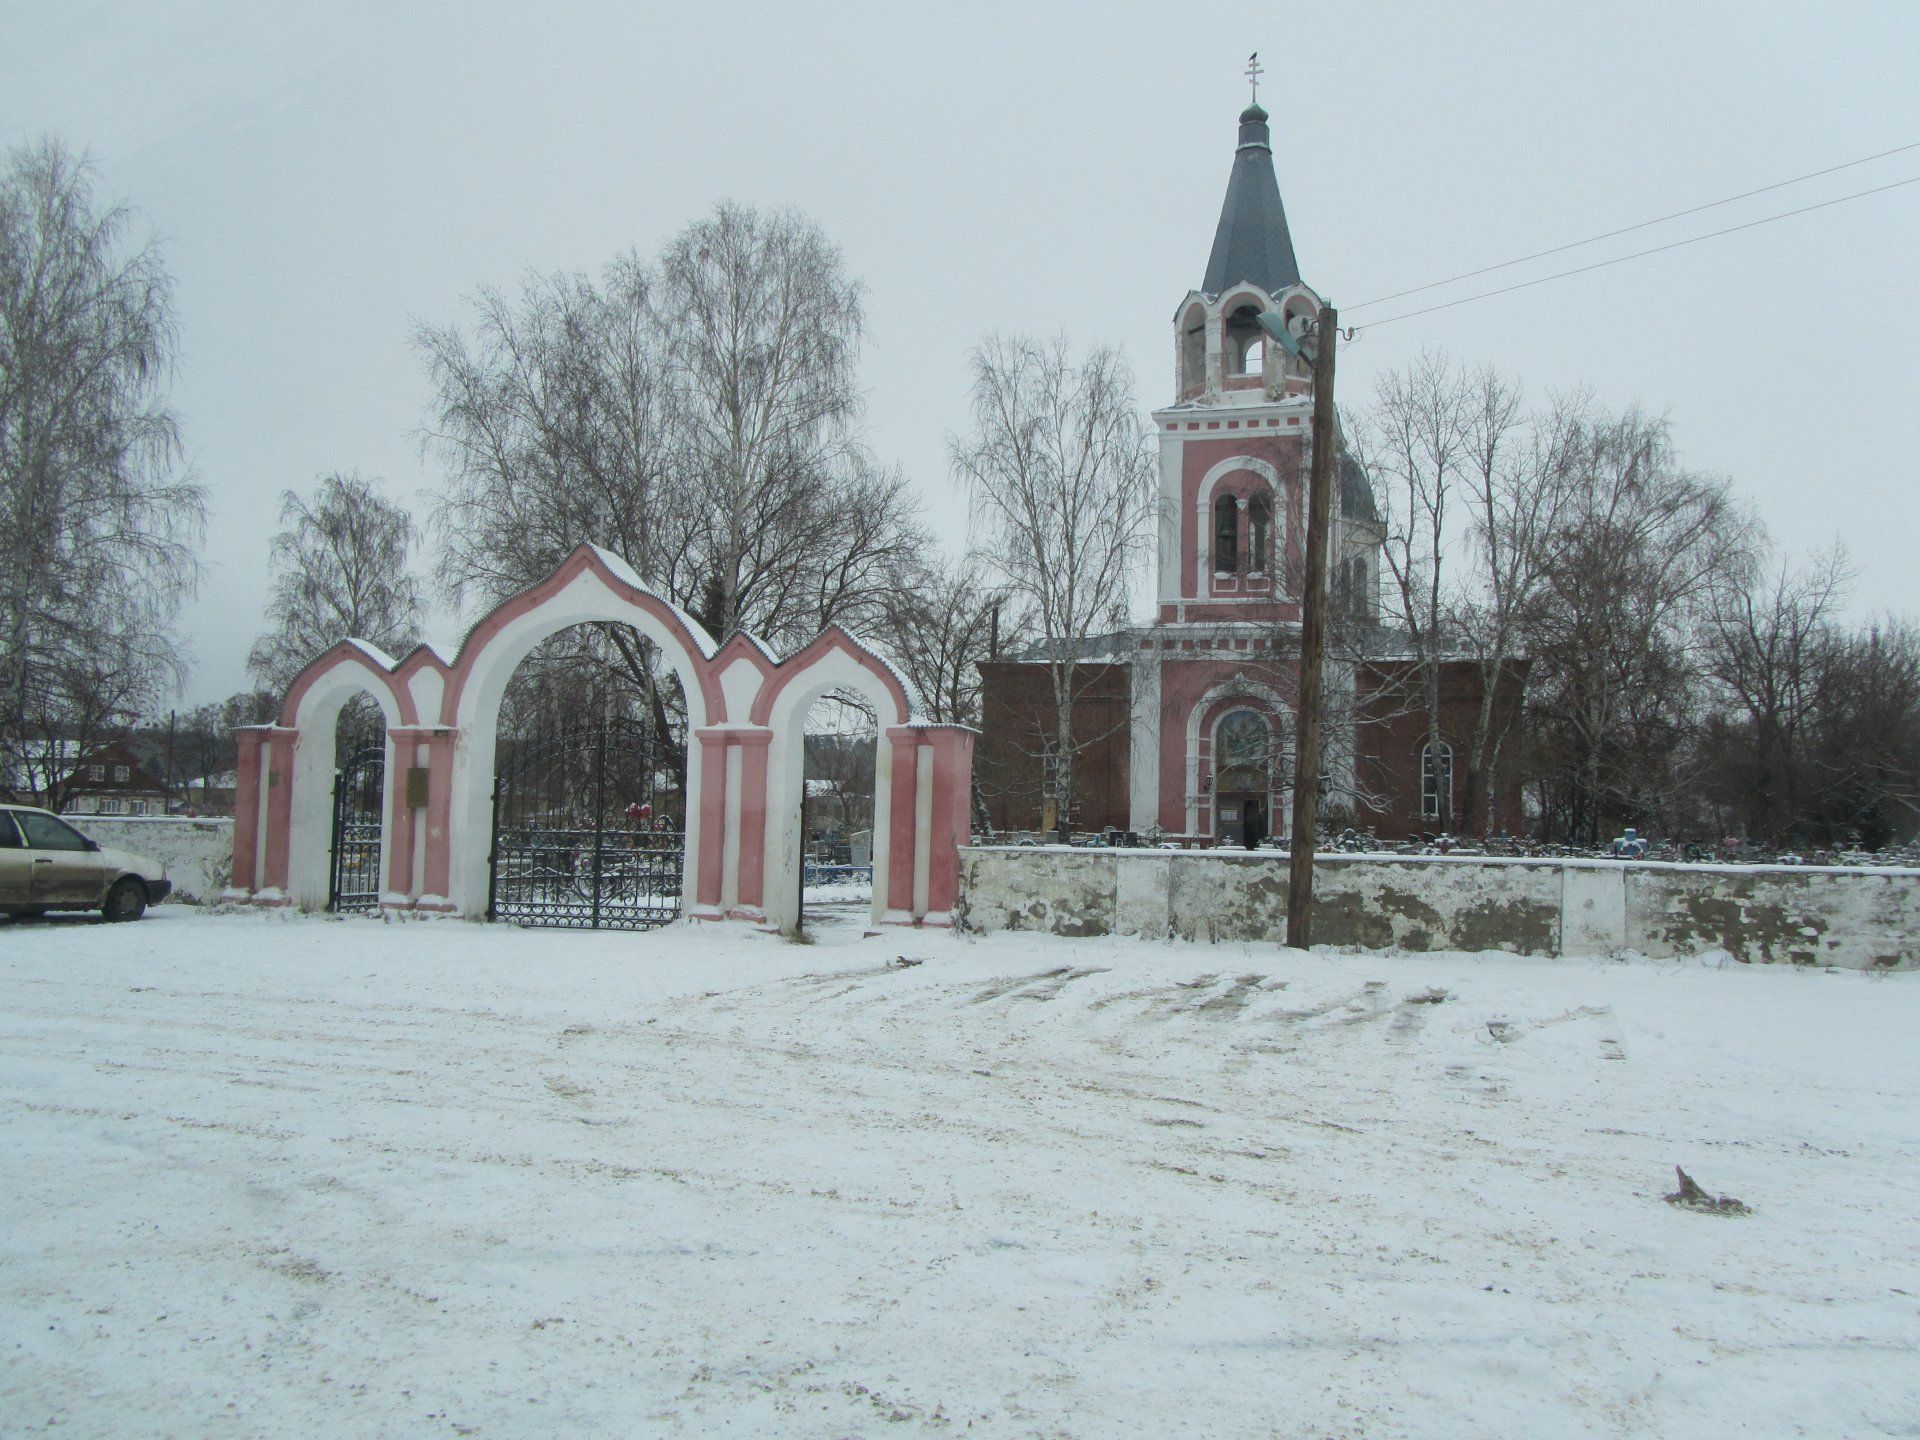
{"x": 1242, "y": 820}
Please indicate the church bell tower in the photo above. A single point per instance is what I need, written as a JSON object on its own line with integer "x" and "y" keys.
{"x": 1233, "y": 442}
{"x": 1216, "y": 675}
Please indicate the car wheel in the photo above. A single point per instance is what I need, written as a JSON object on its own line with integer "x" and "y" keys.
{"x": 126, "y": 901}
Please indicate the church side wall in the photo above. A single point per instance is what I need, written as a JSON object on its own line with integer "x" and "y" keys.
{"x": 1391, "y": 733}
{"x": 1854, "y": 919}
{"x": 1017, "y": 709}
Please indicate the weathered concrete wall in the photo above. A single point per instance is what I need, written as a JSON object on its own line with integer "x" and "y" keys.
{"x": 198, "y": 854}
{"x": 1855, "y": 918}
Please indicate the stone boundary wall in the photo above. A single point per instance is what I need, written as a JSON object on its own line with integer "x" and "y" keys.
{"x": 1857, "y": 918}
{"x": 198, "y": 854}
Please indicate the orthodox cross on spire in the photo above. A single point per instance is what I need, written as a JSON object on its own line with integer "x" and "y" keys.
{"x": 1253, "y": 75}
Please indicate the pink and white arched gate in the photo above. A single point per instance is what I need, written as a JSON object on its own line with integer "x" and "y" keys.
{"x": 746, "y": 718}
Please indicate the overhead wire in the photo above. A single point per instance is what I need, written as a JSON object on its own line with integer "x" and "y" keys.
{"x": 1642, "y": 225}
{"x": 1636, "y": 255}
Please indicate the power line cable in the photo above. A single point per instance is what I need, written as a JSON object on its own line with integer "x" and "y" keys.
{"x": 1638, "y": 254}
{"x": 1629, "y": 229}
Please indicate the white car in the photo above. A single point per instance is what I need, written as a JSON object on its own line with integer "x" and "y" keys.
{"x": 46, "y": 864}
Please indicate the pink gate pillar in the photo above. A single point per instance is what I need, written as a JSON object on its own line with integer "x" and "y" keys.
{"x": 931, "y": 803}
{"x": 262, "y": 796}
{"x": 726, "y": 857}
{"x": 419, "y": 847}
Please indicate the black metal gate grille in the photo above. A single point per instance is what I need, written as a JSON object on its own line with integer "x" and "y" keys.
{"x": 353, "y": 883}
{"x": 581, "y": 834}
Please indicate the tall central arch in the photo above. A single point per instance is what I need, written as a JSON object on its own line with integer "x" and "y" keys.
{"x": 591, "y": 594}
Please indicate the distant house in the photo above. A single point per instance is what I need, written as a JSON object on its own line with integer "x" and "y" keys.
{"x": 110, "y": 780}
{"x": 209, "y": 795}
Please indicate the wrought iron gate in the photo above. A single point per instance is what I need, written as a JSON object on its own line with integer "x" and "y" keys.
{"x": 353, "y": 883}
{"x": 586, "y": 833}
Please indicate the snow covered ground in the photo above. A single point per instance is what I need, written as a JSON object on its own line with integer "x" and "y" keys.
{"x": 275, "y": 1176}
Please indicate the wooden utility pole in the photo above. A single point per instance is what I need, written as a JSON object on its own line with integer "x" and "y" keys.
{"x": 1313, "y": 637}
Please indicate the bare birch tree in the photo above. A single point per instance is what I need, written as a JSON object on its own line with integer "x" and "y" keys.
{"x": 1516, "y": 484}
{"x": 791, "y": 525}
{"x": 1619, "y": 628}
{"x": 942, "y": 624}
{"x": 100, "y": 519}
{"x": 1062, "y": 486}
{"x": 697, "y": 415}
{"x": 340, "y": 571}
{"x": 1415, "y": 439}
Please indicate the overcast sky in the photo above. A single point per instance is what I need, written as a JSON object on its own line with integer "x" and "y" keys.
{"x": 322, "y": 176}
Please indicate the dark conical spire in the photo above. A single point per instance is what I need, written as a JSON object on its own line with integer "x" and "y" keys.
{"x": 1252, "y": 242}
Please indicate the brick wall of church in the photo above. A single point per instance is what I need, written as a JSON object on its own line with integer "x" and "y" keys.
{"x": 1393, "y": 731}
{"x": 1017, "y": 705}
{"x": 1017, "y": 710}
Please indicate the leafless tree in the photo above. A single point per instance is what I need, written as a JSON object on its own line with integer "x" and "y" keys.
{"x": 340, "y": 572}
{"x": 99, "y": 518}
{"x": 1865, "y": 747}
{"x": 945, "y": 619}
{"x": 1061, "y": 481}
{"x": 791, "y": 525}
{"x": 1619, "y": 625}
{"x": 550, "y": 416}
{"x": 1517, "y": 477}
{"x": 1414, "y": 441}
{"x": 698, "y": 415}
{"x": 1771, "y": 645}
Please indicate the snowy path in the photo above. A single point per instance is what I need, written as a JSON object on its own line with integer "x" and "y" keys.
{"x": 278, "y": 1176}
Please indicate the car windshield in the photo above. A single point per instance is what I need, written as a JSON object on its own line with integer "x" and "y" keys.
{"x": 9, "y": 836}
{"x": 43, "y": 832}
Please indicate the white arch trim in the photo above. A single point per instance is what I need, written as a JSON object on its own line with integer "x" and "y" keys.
{"x": 585, "y": 599}
{"x": 838, "y": 669}
{"x": 310, "y": 810}
{"x": 1236, "y": 689}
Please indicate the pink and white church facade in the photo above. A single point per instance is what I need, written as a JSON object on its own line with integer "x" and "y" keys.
{"x": 1214, "y": 676}
{"x": 746, "y": 722}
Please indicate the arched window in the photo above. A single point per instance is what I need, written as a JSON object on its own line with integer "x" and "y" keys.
{"x": 1436, "y": 781}
{"x": 1226, "y": 535}
{"x": 1260, "y": 534}
{"x": 1242, "y": 753}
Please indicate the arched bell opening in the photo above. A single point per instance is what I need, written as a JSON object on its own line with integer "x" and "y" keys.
{"x": 1246, "y": 344}
{"x": 1193, "y": 351}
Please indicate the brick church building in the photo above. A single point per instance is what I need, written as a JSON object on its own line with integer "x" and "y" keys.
{"x": 1183, "y": 729}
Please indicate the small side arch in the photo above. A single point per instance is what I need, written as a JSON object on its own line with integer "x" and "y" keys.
{"x": 834, "y": 661}
{"x": 312, "y": 708}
